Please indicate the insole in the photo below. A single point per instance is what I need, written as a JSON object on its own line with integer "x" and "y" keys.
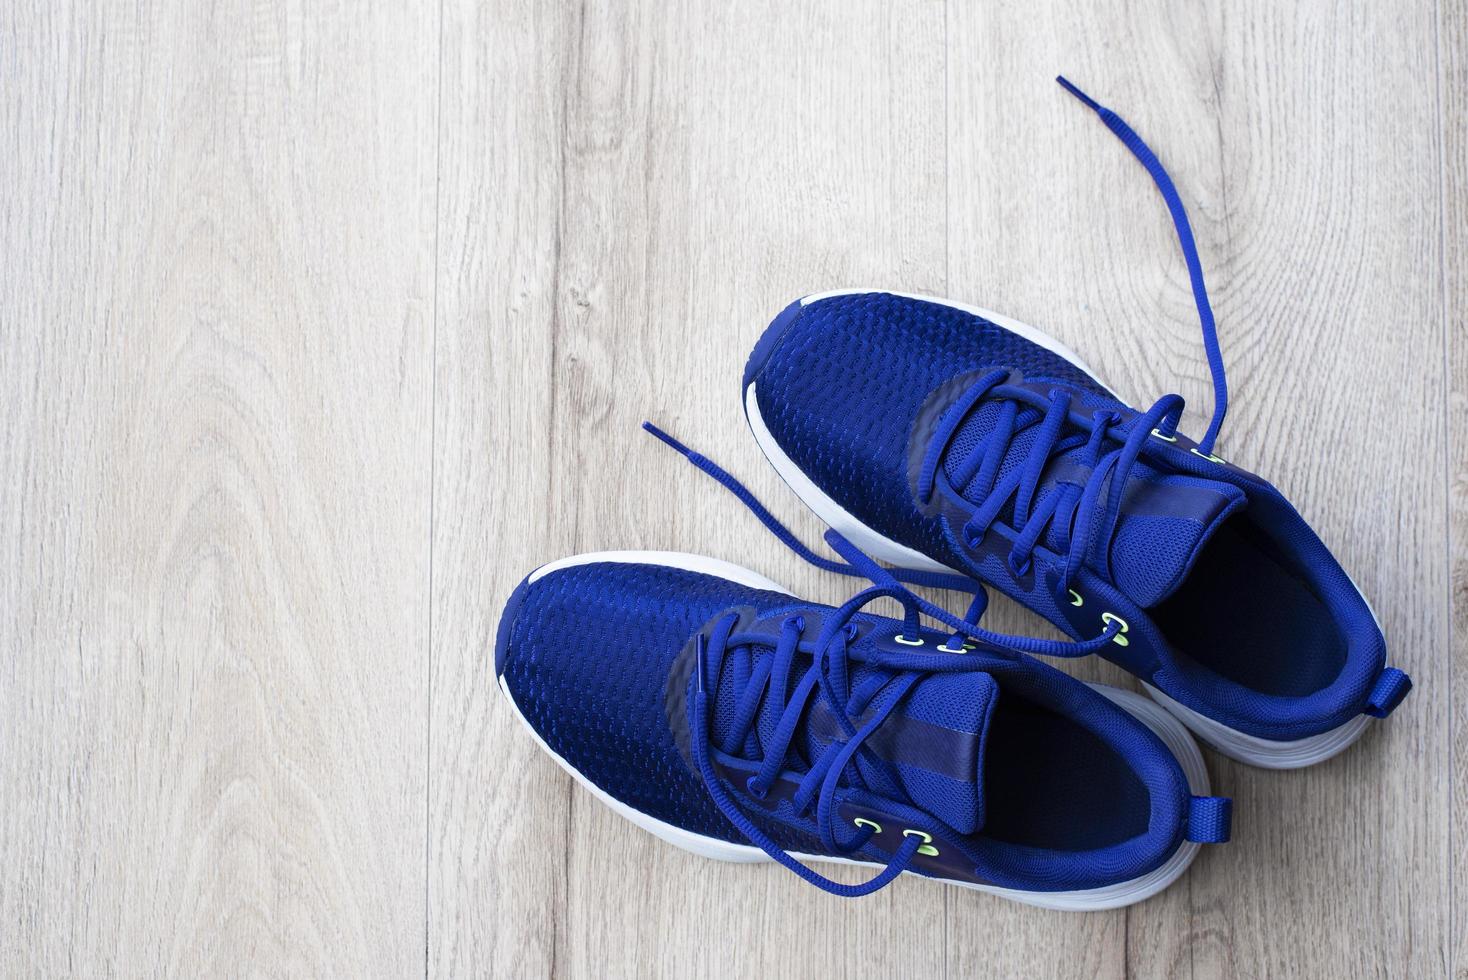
{"x": 1049, "y": 783}
{"x": 1246, "y": 615}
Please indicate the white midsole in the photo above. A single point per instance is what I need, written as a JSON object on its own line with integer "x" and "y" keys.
{"x": 1262, "y": 752}
{"x": 1172, "y": 734}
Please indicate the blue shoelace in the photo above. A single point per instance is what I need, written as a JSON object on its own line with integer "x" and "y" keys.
{"x": 1075, "y": 510}
{"x": 1184, "y": 229}
{"x": 1072, "y": 508}
{"x": 859, "y": 564}
{"x": 764, "y": 686}
{"x": 1110, "y": 448}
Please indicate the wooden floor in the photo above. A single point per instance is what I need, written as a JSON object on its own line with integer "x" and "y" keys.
{"x": 321, "y": 324}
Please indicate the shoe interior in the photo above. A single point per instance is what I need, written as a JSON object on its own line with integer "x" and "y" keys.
{"x": 1051, "y": 784}
{"x": 1247, "y": 613}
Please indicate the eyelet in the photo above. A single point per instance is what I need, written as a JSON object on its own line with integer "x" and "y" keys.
{"x": 899, "y": 638}
{"x": 1119, "y": 639}
{"x": 755, "y": 789}
{"x": 1075, "y": 598}
{"x": 972, "y": 537}
{"x": 1163, "y": 437}
{"x": 927, "y": 847}
{"x": 1208, "y": 456}
{"x": 797, "y": 621}
{"x": 1019, "y": 571}
{"x": 945, "y": 648}
{"x": 864, "y": 822}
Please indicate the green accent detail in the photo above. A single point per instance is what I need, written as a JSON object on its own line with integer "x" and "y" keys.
{"x": 927, "y": 849}
{"x": 1118, "y": 639}
{"x": 1208, "y": 456}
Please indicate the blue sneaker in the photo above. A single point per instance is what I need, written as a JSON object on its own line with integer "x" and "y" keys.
{"x": 941, "y": 437}
{"x": 710, "y": 707}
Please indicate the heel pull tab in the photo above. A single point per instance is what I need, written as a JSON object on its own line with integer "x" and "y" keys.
{"x": 1391, "y": 687}
{"x": 1210, "y": 819}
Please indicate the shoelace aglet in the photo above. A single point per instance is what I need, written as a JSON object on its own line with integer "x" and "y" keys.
{"x": 1070, "y": 87}
{"x": 672, "y": 442}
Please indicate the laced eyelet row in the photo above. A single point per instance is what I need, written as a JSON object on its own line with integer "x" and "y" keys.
{"x": 927, "y": 849}
{"x": 1194, "y": 449}
{"x": 942, "y": 647}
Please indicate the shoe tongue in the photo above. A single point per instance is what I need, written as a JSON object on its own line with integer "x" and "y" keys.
{"x": 1165, "y": 518}
{"x": 932, "y": 743}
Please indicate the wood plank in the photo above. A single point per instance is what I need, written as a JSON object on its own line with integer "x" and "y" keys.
{"x": 499, "y": 809}
{"x": 217, "y": 227}
{"x": 1302, "y": 138}
{"x": 1452, "y": 90}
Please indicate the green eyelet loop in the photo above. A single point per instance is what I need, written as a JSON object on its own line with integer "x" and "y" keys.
{"x": 1119, "y": 639}
{"x": 1208, "y": 456}
{"x": 927, "y": 849}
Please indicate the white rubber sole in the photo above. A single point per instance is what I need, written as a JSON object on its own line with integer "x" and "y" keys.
{"x": 1172, "y": 734}
{"x": 1262, "y": 752}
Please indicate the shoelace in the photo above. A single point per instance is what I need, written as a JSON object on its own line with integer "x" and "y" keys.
{"x": 1084, "y": 526}
{"x": 1074, "y": 509}
{"x": 858, "y": 564}
{"x": 1184, "y": 229}
{"x": 766, "y": 686}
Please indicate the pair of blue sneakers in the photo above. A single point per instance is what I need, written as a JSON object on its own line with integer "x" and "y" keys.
{"x": 967, "y": 451}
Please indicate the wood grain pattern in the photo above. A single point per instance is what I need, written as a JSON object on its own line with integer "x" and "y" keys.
{"x": 1453, "y": 109}
{"x": 497, "y": 842}
{"x": 217, "y": 241}
{"x": 320, "y": 325}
